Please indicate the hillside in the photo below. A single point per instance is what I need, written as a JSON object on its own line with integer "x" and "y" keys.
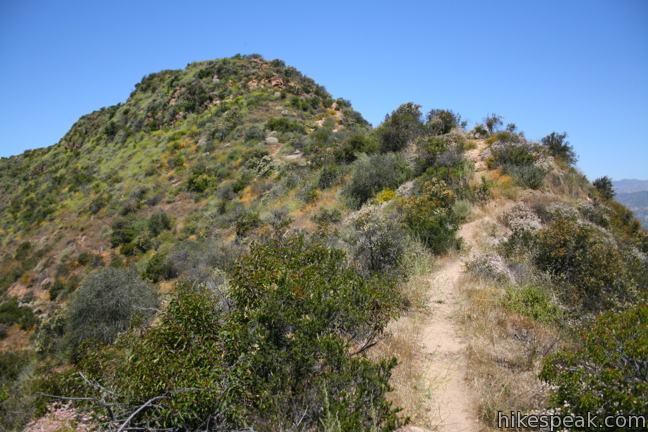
{"x": 234, "y": 249}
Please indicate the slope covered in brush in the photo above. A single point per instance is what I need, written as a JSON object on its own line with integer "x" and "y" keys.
{"x": 200, "y": 146}
{"x": 227, "y": 248}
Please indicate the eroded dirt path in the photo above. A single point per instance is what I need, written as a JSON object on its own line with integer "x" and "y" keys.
{"x": 452, "y": 403}
{"x": 452, "y": 406}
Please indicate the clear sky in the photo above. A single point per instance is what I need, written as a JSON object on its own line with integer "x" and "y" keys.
{"x": 574, "y": 66}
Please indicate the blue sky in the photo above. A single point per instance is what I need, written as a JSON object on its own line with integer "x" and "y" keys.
{"x": 574, "y": 66}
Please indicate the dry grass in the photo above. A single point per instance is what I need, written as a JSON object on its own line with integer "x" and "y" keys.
{"x": 411, "y": 390}
{"x": 505, "y": 351}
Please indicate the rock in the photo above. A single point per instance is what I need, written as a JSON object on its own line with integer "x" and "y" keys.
{"x": 406, "y": 189}
{"x": 271, "y": 140}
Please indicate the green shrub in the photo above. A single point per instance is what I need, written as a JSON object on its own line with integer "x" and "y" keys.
{"x": 328, "y": 176}
{"x": 106, "y": 303}
{"x": 604, "y": 187}
{"x": 511, "y": 154}
{"x": 327, "y": 216}
{"x": 428, "y": 150}
{"x": 588, "y": 265}
{"x": 309, "y": 308}
{"x": 371, "y": 174}
{"x": 356, "y": 144}
{"x": 492, "y": 122}
{"x": 400, "y": 127}
{"x": 195, "y": 261}
{"x": 605, "y": 375}
{"x": 517, "y": 159}
{"x": 534, "y": 302}
{"x": 201, "y": 182}
{"x": 131, "y": 235}
{"x": 283, "y": 124}
{"x": 528, "y": 176}
{"x": 440, "y": 122}
{"x": 23, "y": 251}
{"x": 246, "y": 222}
{"x": 274, "y": 354}
{"x": 159, "y": 222}
{"x": 158, "y": 268}
{"x": 559, "y": 147}
{"x": 13, "y": 313}
{"x": 429, "y": 215}
{"x": 378, "y": 242}
{"x": 123, "y": 231}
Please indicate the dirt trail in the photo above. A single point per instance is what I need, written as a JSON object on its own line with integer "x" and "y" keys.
{"x": 452, "y": 405}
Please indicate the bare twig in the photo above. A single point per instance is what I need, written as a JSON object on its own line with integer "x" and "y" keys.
{"x": 140, "y": 409}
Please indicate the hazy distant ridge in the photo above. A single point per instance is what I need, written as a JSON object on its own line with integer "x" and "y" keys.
{"x": 633, "y": 194}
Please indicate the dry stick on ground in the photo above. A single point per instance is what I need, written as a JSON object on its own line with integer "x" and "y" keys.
{"x": 140, "y": 409}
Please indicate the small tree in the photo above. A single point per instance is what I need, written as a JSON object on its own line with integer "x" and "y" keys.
{"x": 559, "y": 147}
{"x": 604, "y": 187}
{"x": 440, "y": 122}
{"x": 493, "y": 122}
{"x": 430, "y": 217}
{"x": 374, "y": 173}
{"x": 378, "y": 242}
{"x": 159, "y": 222}
{"x": 400, "y": 127}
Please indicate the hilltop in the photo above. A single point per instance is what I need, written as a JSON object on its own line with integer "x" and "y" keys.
{"x": 232, "y": 248}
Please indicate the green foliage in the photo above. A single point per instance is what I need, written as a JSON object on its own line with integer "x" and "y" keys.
{"x": 158, "y": 268}
{"x": 159, "y": 222}
{"x": 195, "y": 261}
{"x": 273, "y": 354}
{"x": 534, "y": 302}
{"x": 16, "y": 389}
{"x": 246, "y": 222}
{"x": 492, "y": 122}
{"x": 515, "y": 154}
{"x": 308, "y": 308}
{"x": 328, "y": 176}
{"x": 283, "y": 124}
{"x": 327, "y": 216}
{"x": 106, "y": 303}
{"x": 429, "y": 150}
{"x": 378, "y": 242}
{"x": 528, "y": 176}
{"x": 559, "y": 147}
{"x": 589, "y": 265}
{"x": 440, "y": 122}
{"x": 354, "y": 145}
{"x": 61, "y": 287}
{"x": 606, "y": 374}
{"x": 200, "y": 182}
{"x": 123, "y": 231}
{"x": 517, "y": 159}
{"x": 400, "y": 127}
{"x": 604, "y": 187}
{"x": 429, "y": 215}
{"x": 13, "y": 313}
{"x": 132, "y": 235}
{"x": 373, "y": 173}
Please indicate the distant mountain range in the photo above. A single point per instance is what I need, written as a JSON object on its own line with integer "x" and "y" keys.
{"x": 633, "y": 194}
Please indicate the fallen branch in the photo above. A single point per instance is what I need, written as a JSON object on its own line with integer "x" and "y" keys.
{"x": 140, "y": 409}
